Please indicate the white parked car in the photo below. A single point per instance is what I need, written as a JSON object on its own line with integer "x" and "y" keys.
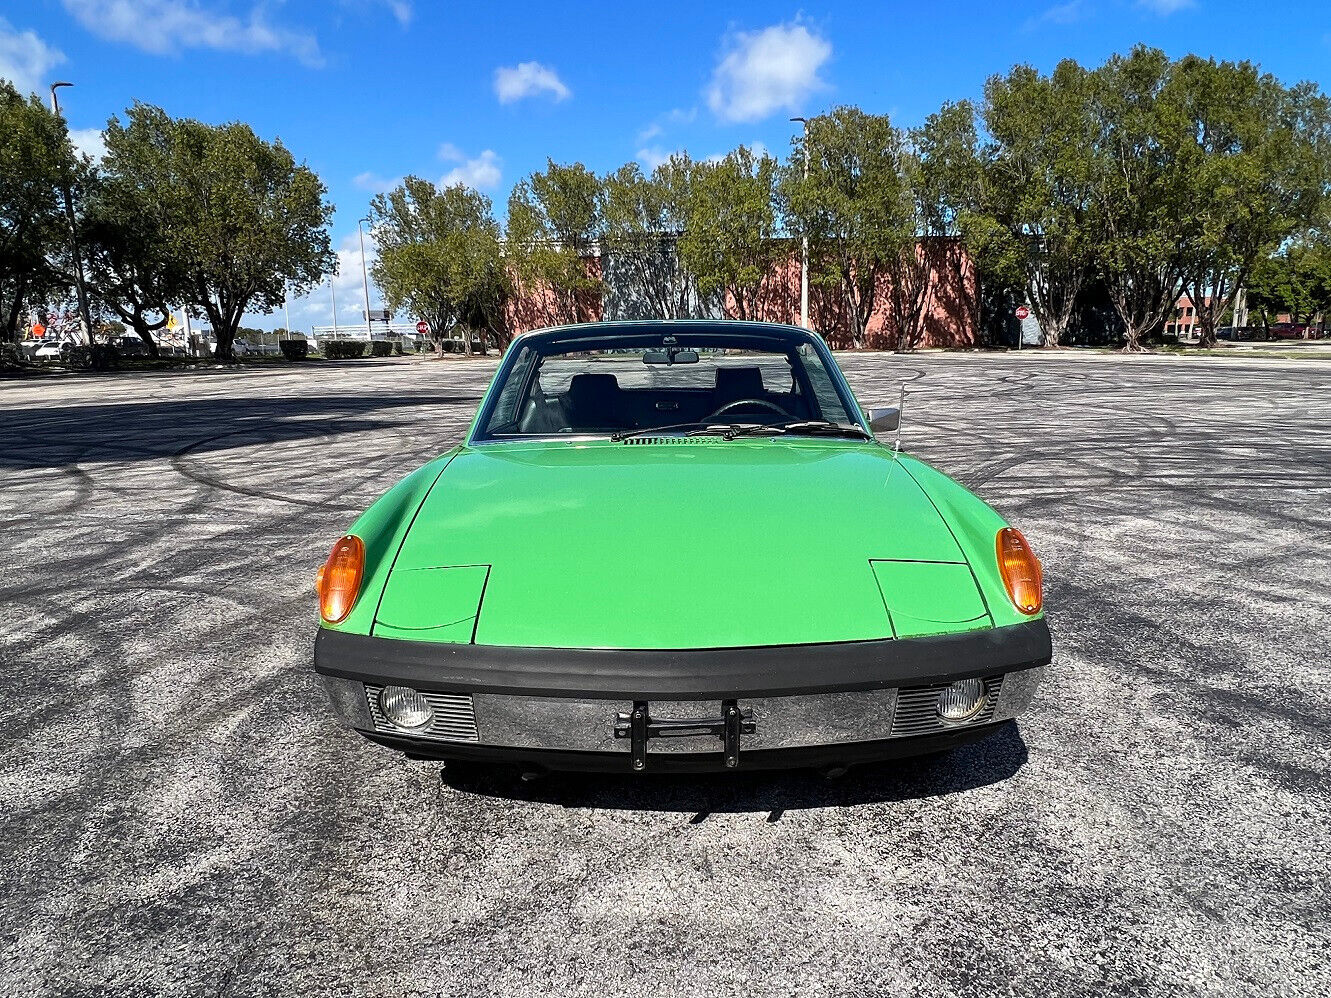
{"x": 55, "y": 350}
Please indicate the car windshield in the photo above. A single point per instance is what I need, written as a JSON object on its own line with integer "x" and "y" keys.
{"x": 627, "y": 382}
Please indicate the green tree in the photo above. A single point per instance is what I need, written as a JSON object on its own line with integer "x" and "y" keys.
{"x": 959, "y": 200}
{"x": 730, "y": 241}
{"x": 34, "y": 156}
{"x": 439, "y": 257}
{"x": 1256, "y": 161}
{"x": 855, "y": 206}
{"x": 643, "y": 220}
{"x": 132, "y": 268}
{"x": 1142, "y": 189}
{"x": 554, "y": 228}
{"x": 1297, "y": 281}
{"x": 1041, "y": 185}
{"x": 247, "y": 224}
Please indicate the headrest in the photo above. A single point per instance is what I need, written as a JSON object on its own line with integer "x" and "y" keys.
{"x": 592, "y": 386}
{"x": 739, "y": 382}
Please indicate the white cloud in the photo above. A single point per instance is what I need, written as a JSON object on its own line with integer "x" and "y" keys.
{"x": 26, "y": 60}
{"x": 374, "y": 182}
{"x": 402, "y": 10}
{"x": 652, "y": 157}
{"x": 89, "y": 141}
{"x": 316, "y": 308}
{"x": 528, "y": 79}
{"x": 482, "y": 172}
{"x": 664, "y": 123}
{"x": 167, "y": 26}
{"x": 1063, "y": 13}
{"x": 1164, "y": 7}
{"x": 764, "y": 71}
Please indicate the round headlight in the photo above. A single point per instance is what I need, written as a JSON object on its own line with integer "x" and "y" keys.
{"x": 961, "y": 701}
{"x": 405, "y": 707}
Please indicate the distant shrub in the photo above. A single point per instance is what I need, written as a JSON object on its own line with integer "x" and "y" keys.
{"x": 380, "y": 348}
{"x": 343, "y": 349}
{"x": 294, "y": 349}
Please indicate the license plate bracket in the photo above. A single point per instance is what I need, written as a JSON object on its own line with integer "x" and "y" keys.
{"x": 640, "y": 727}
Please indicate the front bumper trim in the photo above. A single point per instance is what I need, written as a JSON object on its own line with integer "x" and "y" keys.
{"x": 687, "y": 674}
{"x": 804, "y": 757}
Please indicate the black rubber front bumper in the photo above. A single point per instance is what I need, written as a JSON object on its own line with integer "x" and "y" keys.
{"x": 690, "y": 674}
{"x": 683, "y": 711}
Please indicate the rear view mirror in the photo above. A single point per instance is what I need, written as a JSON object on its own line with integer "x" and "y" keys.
{"x": 884, "y": 419}
{"x": 670, "y": 357}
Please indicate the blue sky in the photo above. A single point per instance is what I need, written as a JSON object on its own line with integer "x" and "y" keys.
{"x": 366, "y": 91}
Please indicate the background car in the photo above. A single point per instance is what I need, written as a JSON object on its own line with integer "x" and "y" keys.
{"x": 57, "y": 350}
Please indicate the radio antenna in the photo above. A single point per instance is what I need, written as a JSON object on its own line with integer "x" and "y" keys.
{"x": 901, "y": 410}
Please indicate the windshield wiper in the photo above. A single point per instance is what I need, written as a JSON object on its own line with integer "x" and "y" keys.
{"x": 806, "y": 427}
{"x": 649, "y": 430}
{"x": 732, "y": 430}
{"x": 803, "y": 427}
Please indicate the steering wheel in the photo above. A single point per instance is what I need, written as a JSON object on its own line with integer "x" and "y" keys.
{"x": 762, "y": 403}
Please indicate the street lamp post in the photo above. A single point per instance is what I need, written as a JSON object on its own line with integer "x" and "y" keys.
{"x": 365, "y": 278}
{"x": 85, "y": 316}
{"x": 804, "y": 256}
{"x": 332, "y": 290}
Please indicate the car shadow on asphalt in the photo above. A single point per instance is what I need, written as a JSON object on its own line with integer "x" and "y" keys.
{"x": 55, "y": 436}
{"x": 968, "y": 767}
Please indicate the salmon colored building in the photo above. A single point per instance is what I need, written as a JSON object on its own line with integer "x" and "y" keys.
{"x": 945, "y": 309}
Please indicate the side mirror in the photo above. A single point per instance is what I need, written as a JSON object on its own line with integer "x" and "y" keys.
{"x": 885, "y": 419}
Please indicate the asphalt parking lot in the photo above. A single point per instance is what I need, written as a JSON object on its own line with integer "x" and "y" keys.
{"x": 180, "y": 815}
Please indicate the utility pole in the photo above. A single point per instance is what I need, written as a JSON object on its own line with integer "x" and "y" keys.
{"x": 85, "y": 316}
{"x": 332, "y": 290}
{"x": 804, "y": 258}
{"x": 365, "y": 279}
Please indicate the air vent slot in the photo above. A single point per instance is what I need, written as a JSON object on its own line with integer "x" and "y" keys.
{"x": 674, "y": 440}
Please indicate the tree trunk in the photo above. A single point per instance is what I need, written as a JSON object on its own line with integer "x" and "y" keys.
{"x": 145, "y": 334}
{"x": 15, "y": 310}
{"x": 224, "y": 325}
{"x": 1132, "y": 338}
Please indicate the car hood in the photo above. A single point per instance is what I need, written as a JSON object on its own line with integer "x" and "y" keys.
{"x": 682, "y": 543}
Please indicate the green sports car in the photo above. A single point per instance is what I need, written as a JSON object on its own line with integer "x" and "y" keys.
{"x": 677, "y": 546}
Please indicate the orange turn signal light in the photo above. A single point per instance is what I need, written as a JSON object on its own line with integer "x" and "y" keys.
{"x": 338, "y": 581}
{"x": 1022, "y": 576}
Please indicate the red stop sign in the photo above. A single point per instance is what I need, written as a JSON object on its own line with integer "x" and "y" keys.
{"x": 1022, "y": 312}
{"x": 422, "y": 327}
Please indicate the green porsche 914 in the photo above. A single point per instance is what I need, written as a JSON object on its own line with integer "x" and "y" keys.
{"x": 677, "y": 546}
